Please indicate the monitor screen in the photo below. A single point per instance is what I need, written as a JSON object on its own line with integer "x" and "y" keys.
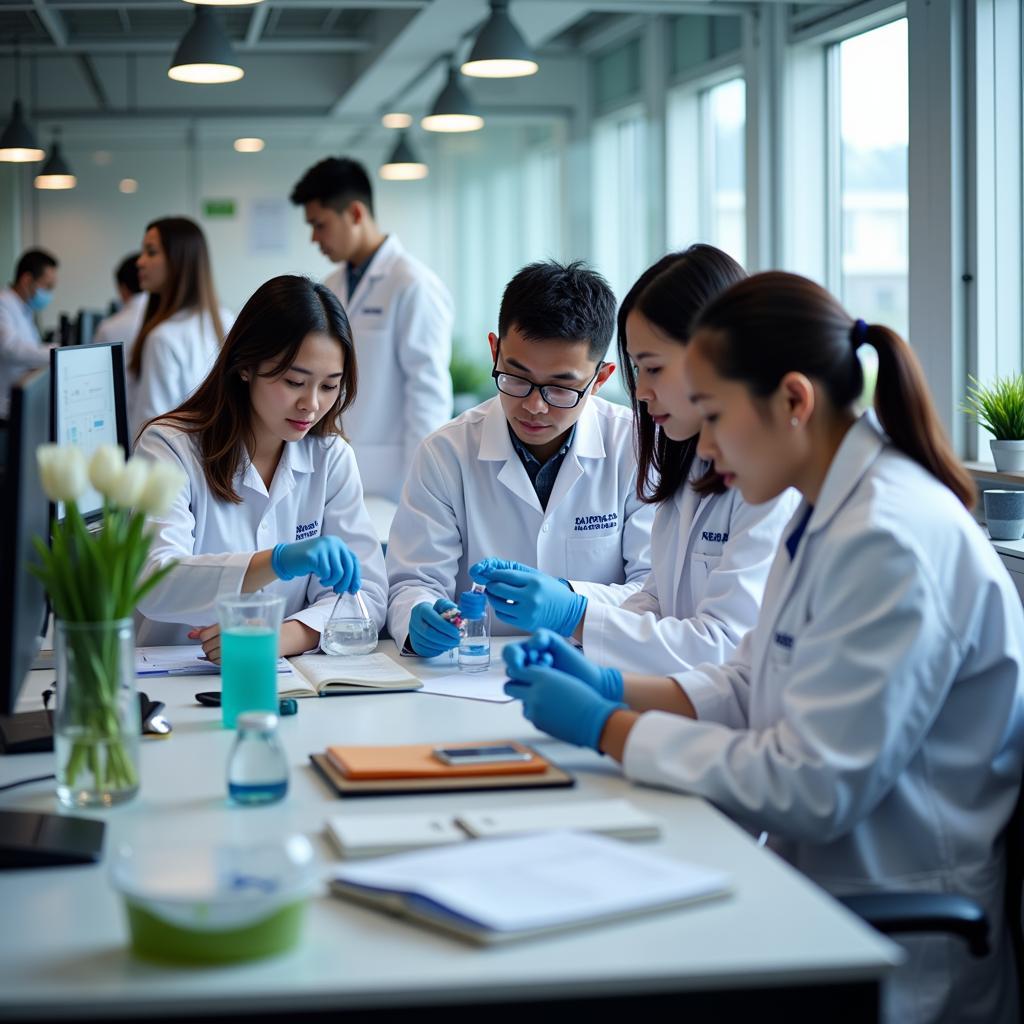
{"x": 24, "y": 514}
{"x": 88, "y": 405}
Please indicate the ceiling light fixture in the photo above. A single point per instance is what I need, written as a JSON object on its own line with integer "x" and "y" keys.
{"x": 205, "y": 55}
{"x": 249, "y": 145}
{"x": 395, "y": 119}
{"x": 453, "y": 110}
{"x": 56, "y": 174}
{"x": 18, "y": 143}
{"x": 225, "y": 3}
{"x": 500, "y": 51}
{"x": 403, "y": 164}
{"x": 129, "y": 186}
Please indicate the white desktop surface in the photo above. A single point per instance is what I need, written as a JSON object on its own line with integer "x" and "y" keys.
{"x": 64, "y": 942}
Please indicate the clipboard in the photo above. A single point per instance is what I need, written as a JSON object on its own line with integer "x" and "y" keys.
{"x": 553, "y": 778}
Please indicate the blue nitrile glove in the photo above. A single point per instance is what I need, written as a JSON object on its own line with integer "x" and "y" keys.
{"x": 538, "y": 601}
{"x": 326, "y": 558}
{"x": 480, "y": 572}
{"x": 547, "y": 648}
{"x": 429, "y": 634}
{"x": 557, "y": 702}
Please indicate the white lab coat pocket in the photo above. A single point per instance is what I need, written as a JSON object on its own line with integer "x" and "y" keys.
{"x": 597, "y": 559}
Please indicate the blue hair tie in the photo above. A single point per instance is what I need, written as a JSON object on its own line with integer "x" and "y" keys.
{"x": 858, "y": 334}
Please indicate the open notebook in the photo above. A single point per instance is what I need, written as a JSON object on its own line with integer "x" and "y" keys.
{"x": 494, "y": 890}
{"x": 324, "y": 675}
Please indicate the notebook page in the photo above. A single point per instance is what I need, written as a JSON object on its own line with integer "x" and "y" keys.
{"x": 367, "y": 669}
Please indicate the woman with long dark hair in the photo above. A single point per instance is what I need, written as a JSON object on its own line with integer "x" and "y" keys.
{"x": 872, "y": 721}
{"x": 183, "y": 326}
{"x": 274, "y": 499}
{"x": 710, "y": 549}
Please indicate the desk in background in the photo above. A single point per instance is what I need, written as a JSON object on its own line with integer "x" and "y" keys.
{"x": 779, "y": 946}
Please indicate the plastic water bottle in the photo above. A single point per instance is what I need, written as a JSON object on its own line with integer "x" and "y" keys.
{"x": 474, "y": 633}
{"x": 257, "y": 766}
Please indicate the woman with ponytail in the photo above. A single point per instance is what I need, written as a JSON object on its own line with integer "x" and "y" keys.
{"x": 710, "y": 550}
{"x": 871, "y": 722}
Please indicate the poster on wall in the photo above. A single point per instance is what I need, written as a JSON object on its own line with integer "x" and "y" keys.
{"x": 268, "y": 226}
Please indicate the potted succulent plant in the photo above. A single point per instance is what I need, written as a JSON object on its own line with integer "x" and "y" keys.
{"x": 999, "y": 408}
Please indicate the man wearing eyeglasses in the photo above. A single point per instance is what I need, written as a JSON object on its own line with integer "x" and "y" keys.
{"x": 533, "y": 492}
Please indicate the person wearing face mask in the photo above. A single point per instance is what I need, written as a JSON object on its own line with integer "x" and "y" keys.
{"x": 401, "y": 316}
{"x": 273, "y": 499}
{"x": 21, "y": 347}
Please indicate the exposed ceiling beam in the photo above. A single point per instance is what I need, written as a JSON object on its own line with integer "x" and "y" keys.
{"x": 256, "y": 23}
{"x": 153, "y": 5}
{"x": 53, "y": 22}
{"x": 93, "y": 81}
{"x": 264, "y": 46}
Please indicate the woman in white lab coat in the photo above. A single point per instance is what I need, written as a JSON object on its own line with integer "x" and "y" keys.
{"x": 183, "y": 326}
{"x": 872, "y": 719}
{"x": 710, "y": 550}
{"x": 273, "y": 500}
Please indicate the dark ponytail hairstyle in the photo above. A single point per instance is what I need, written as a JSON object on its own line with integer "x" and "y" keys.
{"x": 271, "y": 328}
{"x": 776, "y": 323}
{"x": 669, "y": 295}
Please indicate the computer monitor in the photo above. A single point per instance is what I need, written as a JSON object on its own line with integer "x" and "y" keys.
{"x": 87, "y": 403}
{"x": 85, "y": 325}
{"x": 24, "y": 514}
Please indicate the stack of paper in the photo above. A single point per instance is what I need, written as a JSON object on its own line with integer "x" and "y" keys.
{"x": 183, "y": 660}
{"x": 501, "y": 889}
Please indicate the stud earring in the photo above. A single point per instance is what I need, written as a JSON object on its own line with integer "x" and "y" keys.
{"x": 794, "y": 422}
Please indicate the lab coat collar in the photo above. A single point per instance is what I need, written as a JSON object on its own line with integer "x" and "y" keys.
{"x": 380, "y": 266}
{"x": 863, "y": 443}
{"x": 296, "y": 458}
{"x": 496, "y": 445}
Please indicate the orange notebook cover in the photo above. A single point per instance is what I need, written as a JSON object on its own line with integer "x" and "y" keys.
{"x": 417, "y": 761}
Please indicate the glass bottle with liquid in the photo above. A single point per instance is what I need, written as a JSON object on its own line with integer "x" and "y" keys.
{"x": 349, "y": 630}
{"x": 474, "y": 632}
{"x": 257, "y": 766}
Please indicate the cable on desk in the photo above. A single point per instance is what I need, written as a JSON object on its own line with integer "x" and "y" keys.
{"x": 25, "y": 782}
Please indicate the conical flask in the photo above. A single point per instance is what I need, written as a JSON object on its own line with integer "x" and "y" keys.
{"x": 349, "y": 630}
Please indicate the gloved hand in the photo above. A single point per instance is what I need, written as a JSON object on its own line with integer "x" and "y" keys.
{"x": 537, "y": 601}
{"x": 480, "y": 572}
{"x": 557, "y": 702}
{"x": 429, "y": 634}
{"x": 547, "y": 648}
{"x": 326, "y": 558}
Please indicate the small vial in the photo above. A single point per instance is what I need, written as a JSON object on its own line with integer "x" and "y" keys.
{"x": 474, "y": 632}
{"x": 257, "y": 766}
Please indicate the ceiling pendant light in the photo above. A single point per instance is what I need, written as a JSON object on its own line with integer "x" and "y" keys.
{"x": 205, "y": 55}
{"x": 453, "y": 110}
{"x": 396, "y": 119}
{"x": 403, "y": 164}
{"x": 56, "y": 174}
{"x": 500, "y": 50}
{"x": 18, "y": 143}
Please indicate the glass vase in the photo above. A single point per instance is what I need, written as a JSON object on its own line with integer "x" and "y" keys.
{"x": 96, "y": 724}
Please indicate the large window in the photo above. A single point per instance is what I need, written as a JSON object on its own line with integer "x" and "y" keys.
{"x": 869, "y": 154}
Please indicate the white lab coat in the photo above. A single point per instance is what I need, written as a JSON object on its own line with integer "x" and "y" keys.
{"x": 314, "y": 492}
{"x": 21, "y": 348}
{"x": 123, "y": 326}
{"x": 710, "y": 558}
{"x": 468, "y": 497}
{"x": 872, "y": 719}
{"x": 401, "y": 317}
{"x": 178, "y": 355}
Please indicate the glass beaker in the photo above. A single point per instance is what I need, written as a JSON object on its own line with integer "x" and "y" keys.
{"x": 349, "y": 629}
{"x": 249, "y": 629}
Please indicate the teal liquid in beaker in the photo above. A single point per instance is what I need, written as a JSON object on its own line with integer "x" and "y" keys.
{"x": 248, "y": 672}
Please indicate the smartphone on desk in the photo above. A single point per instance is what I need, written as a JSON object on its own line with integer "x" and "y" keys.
{"x": 211, "y": 699}
{"x": 496, "y": 753}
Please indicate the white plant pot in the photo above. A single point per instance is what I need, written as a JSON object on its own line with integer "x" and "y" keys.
{"x": 1008, "y": 456}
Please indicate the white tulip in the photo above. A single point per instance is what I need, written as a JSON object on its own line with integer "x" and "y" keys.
{"x": 63, "y": 471}
{"x": 163, "y": 485}
{"x": 129, "y": 485}
{"x": 105, "y": 468}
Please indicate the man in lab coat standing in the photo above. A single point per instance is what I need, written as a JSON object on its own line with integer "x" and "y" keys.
{"x": 21, "y": 347}
{"x": 401, "y": 316}
{"x": 541, "y": 477}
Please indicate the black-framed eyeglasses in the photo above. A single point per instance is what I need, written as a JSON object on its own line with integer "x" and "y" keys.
{"x": 552, "y": 394}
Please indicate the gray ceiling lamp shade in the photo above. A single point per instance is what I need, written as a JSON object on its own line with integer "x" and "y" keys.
{"x": 18, "y": 143}
{"x": 453, "y": 110}
{"x": 56, "y": 173}
{"x": 403, "y": 164}
{"x": 205, "y": 54}
{"x": 500, "y": 51}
